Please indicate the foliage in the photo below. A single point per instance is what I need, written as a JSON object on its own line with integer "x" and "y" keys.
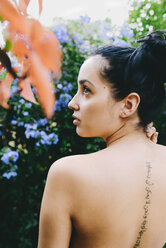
{"x": 29, "y": 143}
{"x": 29, "y": 41}
{"x": 146, "y": 16}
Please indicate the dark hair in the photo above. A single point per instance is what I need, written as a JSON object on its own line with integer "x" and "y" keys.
{"x": 141, "y": 70}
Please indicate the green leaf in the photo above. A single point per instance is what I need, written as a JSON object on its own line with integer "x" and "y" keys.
{"x": 5, "y": 149}
{"x": 8, "y": 45}
{"x": 1, "y": 19}
{"x": 3, "y": 75}
{"x": 3, "y": 115}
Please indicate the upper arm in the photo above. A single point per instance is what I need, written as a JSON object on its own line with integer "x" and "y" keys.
{"x": 55, "y": 225}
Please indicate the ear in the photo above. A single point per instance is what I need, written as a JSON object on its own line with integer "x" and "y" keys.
{"x": 130, "y": 105}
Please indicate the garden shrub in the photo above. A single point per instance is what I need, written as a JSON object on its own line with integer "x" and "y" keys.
{"x": 29, "y": 143}
{"x": 144, "y": 17}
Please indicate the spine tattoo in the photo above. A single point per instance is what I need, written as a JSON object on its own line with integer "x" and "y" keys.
{"x": 148, "y": 190}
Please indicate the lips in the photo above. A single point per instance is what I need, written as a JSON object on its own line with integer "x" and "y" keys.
{"x": 75, "y": 117}
{"x": 76, "y": 120}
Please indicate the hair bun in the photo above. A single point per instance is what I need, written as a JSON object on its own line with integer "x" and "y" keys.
{"x": 156, "y": 35}
{"x": 152, "y": 54}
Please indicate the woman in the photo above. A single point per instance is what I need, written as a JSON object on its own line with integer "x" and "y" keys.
{"x": 115, "y": 197}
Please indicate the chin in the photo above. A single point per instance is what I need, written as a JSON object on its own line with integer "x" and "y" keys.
{"x": 85, "y": 134}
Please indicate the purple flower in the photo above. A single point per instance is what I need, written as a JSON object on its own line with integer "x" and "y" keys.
{"x": 85, "y": 19}
{"x": 68, "y": 87}
{"x": 64, "y": 72}
{"x": 28, "y": 105}
{"x": 5, "y": 158}
{"x": 44, "y": 138}
{"x": 37, "y": 144}
{"x": 47, "y": 139}
{"x": 42, "y": 122}
{"x": 34, "y": 91}
{"x": 53, "y": 138}
{"x": 31, "y": 126}
{"x": 31, "y": 130}
{"x": 78, "y": 38}
{"x": 59, "y": 86}
{"x": 58, "y": 105}
{"x": 85, "y": 48}
{"x": 10, "y": 156}
{"x": 126, "y": 31}
{"x": 13, "y": 155}
{"x": 32, "y": 133}
{"x": 65, "y": 98}
{"x": 63, "y": 101}
{"x": 25, "y": 113}
{"x": 62, "y": 34}
{"x": 14, "y": 89}
{"x": 20, "y": 124}
{"x": 22, "y": 101}
{"x": 13, "y": 122}
{"x": 120, "y": 43}
{"x": 10, "y": 174}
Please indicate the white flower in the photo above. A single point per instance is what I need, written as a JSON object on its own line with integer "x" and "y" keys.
{"x": 150, "y": 28}
{"x": 151, "y": 12}
{"x": 143, "y": 14}
{"x": 147, "y": 6}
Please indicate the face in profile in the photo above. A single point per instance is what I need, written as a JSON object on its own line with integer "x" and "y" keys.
{"x": 93, "y": 105}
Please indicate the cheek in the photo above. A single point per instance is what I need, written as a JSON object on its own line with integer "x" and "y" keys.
{"x": 91, "y": 110}
{"x": 103, "y": 114}
{"x": 96, "y": 115}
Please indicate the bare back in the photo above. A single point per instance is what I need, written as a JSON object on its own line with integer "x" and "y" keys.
{"x": 120, "y": 198}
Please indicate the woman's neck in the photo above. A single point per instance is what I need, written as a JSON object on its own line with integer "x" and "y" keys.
{"x": 125, "y": 133}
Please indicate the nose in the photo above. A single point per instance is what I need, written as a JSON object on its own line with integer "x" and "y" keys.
{"x": 73, "y": 104}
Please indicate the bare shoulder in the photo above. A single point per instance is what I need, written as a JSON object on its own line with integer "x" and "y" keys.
{"x": 58, "y": 203}
{"x": 162, "y": 155}
{"x": 162, "y": 149}
{"x": 69, "y": 164}
{"x": 68, "y": 171}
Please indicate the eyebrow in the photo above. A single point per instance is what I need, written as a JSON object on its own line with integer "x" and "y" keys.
{"x": 82, "y": 81}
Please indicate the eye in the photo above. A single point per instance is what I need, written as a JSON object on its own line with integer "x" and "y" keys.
{"x": 86, "y": 90}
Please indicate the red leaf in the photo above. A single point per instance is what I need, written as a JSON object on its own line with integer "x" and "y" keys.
{"x": 48, "y": 44}
{"x": 36, "y": 30}
{"x": 5, "y": 91}
{"x": 45, "y": 42}
{"x": 40, "y": 6}
{"x": 23, "y": 4}
{"x": 20, "y": 49}
{"x": 41, "y": 80}
{"x": 26, "y": 91}
{"x": 16, "y": 19}
{"x": 25, "y": 67}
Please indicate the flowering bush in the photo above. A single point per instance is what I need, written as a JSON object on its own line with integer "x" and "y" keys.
{"x": 29, "y": 143}
{"x": 9, "y": 158}
{"x": 146, "y": 16}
